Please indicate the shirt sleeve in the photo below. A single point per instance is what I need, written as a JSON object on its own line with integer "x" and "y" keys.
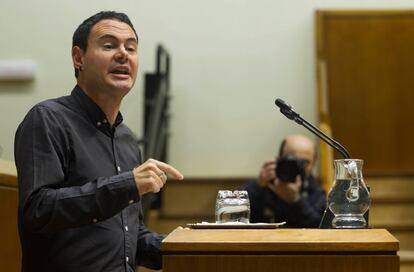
{"x": 45, "y": 204}
{"x": 148, "y": 246}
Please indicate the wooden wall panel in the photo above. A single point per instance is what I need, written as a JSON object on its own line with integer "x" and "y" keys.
{"x": 366, "y": 85}
{"x": 10, "y": 247}
{"x": 10, "y": 254}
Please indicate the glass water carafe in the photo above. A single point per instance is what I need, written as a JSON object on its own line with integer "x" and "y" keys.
{"x": 349, "y": 197}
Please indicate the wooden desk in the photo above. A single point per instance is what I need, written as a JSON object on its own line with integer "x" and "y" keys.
{"x": 295, "y": 250}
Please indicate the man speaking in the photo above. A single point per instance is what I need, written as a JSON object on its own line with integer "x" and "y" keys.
{"x": 80, "y": 172}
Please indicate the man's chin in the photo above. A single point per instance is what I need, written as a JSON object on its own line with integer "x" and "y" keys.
{"x": 122, "y": 87}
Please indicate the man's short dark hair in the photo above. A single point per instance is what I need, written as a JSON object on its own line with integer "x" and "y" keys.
{"x": 81, "y": 34}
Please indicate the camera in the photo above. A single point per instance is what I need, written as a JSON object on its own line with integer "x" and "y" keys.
{"x": 288, "y": 167}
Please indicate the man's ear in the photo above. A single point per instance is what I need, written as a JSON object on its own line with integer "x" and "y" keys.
{"x": 77, "y": 57}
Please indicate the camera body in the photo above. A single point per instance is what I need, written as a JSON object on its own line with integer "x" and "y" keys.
{"x": 288, "y": 167}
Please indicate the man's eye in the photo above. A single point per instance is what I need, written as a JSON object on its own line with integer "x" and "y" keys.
{"x": 108, "y": 46}
{"x": 131, "y": 49}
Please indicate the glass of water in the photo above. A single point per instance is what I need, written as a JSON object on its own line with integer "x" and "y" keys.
{"x": 232, "y": 206}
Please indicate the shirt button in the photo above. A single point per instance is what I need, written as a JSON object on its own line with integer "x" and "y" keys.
{"x": 95, "y": 220}
{"x": 119, "y": 168}
{"x": 127, "y": 259}
{"x": 131, "y": 201}
{"x": 126, "y": 228}
{"x": 98, "y": 124}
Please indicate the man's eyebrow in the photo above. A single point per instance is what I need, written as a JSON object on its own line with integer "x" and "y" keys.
{"x": 109, "y": 36}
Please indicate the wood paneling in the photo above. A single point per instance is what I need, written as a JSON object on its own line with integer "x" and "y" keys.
{"x": 320, "y": 263}
{"x": 365, "y": 85}
{"x": 195, "y": 197}
{"x": 10, "y": 253}
{"x": 8, "y": 173}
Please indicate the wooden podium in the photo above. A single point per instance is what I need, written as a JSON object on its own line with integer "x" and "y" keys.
{"x": 295, "y": 250}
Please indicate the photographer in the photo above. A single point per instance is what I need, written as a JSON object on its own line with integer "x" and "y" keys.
{"x": 289, "y": 193}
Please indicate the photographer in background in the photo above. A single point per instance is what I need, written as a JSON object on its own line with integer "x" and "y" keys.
{"x": 286, "y": 189}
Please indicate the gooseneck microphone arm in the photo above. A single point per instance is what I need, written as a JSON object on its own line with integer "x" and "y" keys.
{"x": 287, "y": 111}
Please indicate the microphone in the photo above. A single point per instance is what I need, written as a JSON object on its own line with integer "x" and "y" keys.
{"x": 288, "y": 111}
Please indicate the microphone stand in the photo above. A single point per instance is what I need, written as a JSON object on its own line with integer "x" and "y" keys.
{"x": 337, "y": 146}
{"x": 287, "y": 110}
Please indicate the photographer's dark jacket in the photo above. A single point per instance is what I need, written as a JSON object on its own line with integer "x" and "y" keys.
{"x": 267, "y": 207}
{"x": 79, "y": 207}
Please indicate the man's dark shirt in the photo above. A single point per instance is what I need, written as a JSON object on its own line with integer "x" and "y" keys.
{"x": 79, "y": 208}
{"x": 266, "y": 206}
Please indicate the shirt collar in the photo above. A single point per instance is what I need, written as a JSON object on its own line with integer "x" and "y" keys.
{"x": 94, "y": 112}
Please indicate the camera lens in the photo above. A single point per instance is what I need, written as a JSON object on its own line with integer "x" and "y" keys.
{"x": 288, "y": 167}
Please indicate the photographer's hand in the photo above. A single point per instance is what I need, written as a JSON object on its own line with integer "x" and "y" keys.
{"x": 287, "y": 191}
{"x": 267, "y": 173}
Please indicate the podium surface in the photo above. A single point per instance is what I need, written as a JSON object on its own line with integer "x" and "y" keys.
{"x": 280, "y": 250}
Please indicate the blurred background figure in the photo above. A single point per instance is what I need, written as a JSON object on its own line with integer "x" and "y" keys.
{"x": 286, "y": 189}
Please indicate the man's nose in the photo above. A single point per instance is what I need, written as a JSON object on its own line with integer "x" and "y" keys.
{"x": 122, "y": 54}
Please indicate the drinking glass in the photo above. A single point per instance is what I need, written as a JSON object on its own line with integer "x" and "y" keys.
{"x": 232, "y": 206}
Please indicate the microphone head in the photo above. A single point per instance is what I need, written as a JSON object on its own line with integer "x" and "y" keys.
{"x": 279, "y": 102}
{"x": 286, "y": 109}
{"x": 282, "y": 104}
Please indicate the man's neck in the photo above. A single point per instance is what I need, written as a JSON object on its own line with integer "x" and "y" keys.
{"x": 110, "y": 105}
